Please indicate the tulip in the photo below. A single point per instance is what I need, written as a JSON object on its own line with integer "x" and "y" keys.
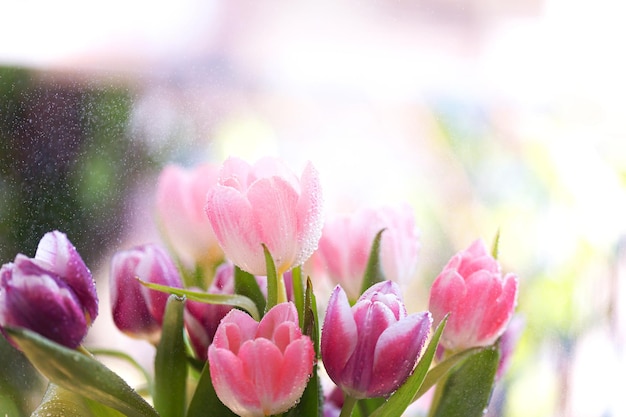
{"x": 52, "y": 294}
{"x": 137, "y": 310}
{"x": 480, "y": 301}
{"x": 260, "y": 369}
{"x": 266, "y": 204}
{"x": 202, "y": 319}
{"x": 180, "y": 200}
{"x": 371, "y": 348}
{"x": 346, "y": 243}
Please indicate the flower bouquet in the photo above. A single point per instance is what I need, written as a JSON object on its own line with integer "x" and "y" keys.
{"x": 230, "y": 303}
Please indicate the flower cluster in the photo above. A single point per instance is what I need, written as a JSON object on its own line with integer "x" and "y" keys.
{"x": 231, "y": 287}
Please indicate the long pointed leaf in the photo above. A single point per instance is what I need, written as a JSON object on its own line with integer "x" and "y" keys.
{"x": 435, "y": 374}
{"x": 170, "y": 362}
{"x": 467, "y": 390}
{"x": 204, "y": 401}
{"x": 273, "y": 284}
{"x": 310, "y": 404}
{"x": 80, "y": 373}
{"x": 247, "y": 285}
{"x": 373, "y": 271}
{"x": 402, "y": 398}
{"x": 234, "y": 300}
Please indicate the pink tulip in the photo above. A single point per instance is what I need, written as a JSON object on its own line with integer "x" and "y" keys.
{"x": 260, "y": 369}
{"x": 181, "y": 197}
{"x": 346, "y": 243}
{"x": 480, "y": 301}
{"x": 371, "y": 348}
{"x": 52, "y": 294}
{"x": 266, "y": 204}
{"x": 137, "y": 310}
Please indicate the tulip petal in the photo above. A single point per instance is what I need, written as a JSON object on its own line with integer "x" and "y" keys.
{"x": 339, "y": 334}
{"x": 232, "y": 384}
{"x": 309, "y": 209}
{"x": 281, "y": 313}
{"x": 275, "y": 202}
{"x": 397, "y": 349}
{"x": 262, "y": 363}
{"x": 230, "y": 212}
{"x": 56, "y": 250}
{"x": 295, "y": 372}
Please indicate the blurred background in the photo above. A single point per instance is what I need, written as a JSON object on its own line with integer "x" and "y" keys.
{"x": 483, "y": 115}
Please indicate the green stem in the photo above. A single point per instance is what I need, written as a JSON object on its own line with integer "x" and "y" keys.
{"x": 282, "y": 290}
{"x": 348, "y": 405}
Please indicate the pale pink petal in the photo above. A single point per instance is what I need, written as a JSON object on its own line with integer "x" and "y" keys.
{"x": 230, "y": 214}
{"x": 274, "y": 204}
{"x": 296, "y": 369}
{"x": 309, "y": 217}
{"x": 279, "y": 314}
{"x": 232, "y": 384}
{"x": 262, "y": 363}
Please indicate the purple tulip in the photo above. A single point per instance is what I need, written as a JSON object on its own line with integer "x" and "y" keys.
{"x": 137, "y": 310}
{"x": 371, "y": 348}
{"x": 52, "y": 294}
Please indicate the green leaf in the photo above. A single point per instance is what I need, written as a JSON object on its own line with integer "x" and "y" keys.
{"x": 373, "y": 271}
{"x": 204, "y": 401}
{"x": 170, "y": 363}
{"x": 246, "y": 285}
{"x": 128, "y": 359}
{"x": 80, "y": 373}
{"x": 273, "y": 284}
{"x": 234, "y": 300}
{"x": 310, "y": 404}
{"x": 298, "y": 293}
{"x": 59, "y": 402}
{"x": 403, "y": 397}
{"x": 435, "y": 374}
{"x": 467, "y": 389}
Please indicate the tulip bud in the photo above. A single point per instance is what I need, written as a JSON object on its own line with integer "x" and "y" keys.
{"x": 180, "y": 200}
{"x": 260, "y": 369}
{"x": 371, "y": 348}
{"x": 52, "y": 294}
{"x": 137, "y": 310}
{"x": 202, "y": 319}
{"x": 480, "y": 301}
{"x": 346, "y": 243}
{"x": 265, "y": 204}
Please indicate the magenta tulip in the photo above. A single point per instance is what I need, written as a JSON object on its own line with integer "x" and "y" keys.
{"x": 480, "y": 301}
{"x": 371, "y": 348}
{"x": 137, "y": 310}
{"x": 346, "y": 242}
{"x": 266, "y": 204}
{"x": 52, "y": 294}
{"x": 180, "y": 200}
{"x": 260, "y": 369}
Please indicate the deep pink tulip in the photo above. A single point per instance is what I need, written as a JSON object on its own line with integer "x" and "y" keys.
{"x": 480, "y": 301}
{"x": 202, "y": 319}
{"x": 260, "y": 369}
{"x": 371, "y": 348}
{"x": 180, "y": 200}
{"x": 137, "y": 310}
{"x": 266, "y": 204}
{"x": 52, "y": 294}
{"x": 346, "y": 243}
